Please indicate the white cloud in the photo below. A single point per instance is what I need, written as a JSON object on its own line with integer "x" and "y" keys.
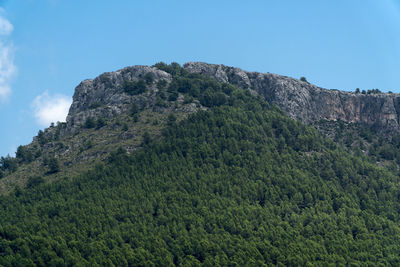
{"x": 5, "y": 27}
{"x": 7, "y": 67}
{"x": 48, "y": 109}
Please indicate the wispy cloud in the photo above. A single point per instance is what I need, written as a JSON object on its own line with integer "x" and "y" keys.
{"x": 7, "y": 67}
{"x": 5, "y": 26}
{"x": 48, "y": 109}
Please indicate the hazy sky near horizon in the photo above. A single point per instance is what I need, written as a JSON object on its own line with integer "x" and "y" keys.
{"x": 48, "y": 46}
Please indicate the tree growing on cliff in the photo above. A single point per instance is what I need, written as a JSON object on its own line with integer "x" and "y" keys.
{"x": 374, "y": 91}
{"x": 303, "y": 79}
{"x": 135, "y": 87}
{"x": 149, "y": 78}
{"x": 8, "y": 164}
{"x": 53, "y": 165}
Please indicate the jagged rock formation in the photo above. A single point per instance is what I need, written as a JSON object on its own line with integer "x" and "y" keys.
{"x": 104, "y": 96}
{"x": 308, "y": 102}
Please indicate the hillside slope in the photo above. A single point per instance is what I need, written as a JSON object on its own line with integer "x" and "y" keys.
{"x": 113, "y": 110}
{"x": 234, "y": 181}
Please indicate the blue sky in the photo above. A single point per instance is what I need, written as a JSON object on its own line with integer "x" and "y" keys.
{"x": 48, "y": 46}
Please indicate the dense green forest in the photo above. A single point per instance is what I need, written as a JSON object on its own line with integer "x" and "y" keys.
{"x": 238, "y": 184}
{"x": 371, "y": 144}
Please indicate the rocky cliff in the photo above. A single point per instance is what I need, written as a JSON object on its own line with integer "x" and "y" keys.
{"x": 104, "y": 96}
{"x": 308, "y": 102}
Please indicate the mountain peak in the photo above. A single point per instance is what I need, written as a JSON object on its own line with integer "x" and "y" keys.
{"x": 106, "y": 95}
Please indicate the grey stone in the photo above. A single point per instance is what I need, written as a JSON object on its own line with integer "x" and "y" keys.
{"x": 307, "y": 102}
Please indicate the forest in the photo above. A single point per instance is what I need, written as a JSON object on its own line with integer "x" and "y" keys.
{"x": 237, "y": 184}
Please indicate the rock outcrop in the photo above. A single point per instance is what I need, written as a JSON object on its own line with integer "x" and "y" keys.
{"x": 104, "y": 96}
{"x": 307, "y": 102}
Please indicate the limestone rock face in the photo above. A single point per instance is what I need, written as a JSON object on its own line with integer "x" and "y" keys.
{"x": 307, "y": 102}
{"x": 104, "y": 96}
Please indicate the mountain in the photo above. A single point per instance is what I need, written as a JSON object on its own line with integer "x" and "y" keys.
{"x": 104, "y": 104}
{"x": 204, "y": 165}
